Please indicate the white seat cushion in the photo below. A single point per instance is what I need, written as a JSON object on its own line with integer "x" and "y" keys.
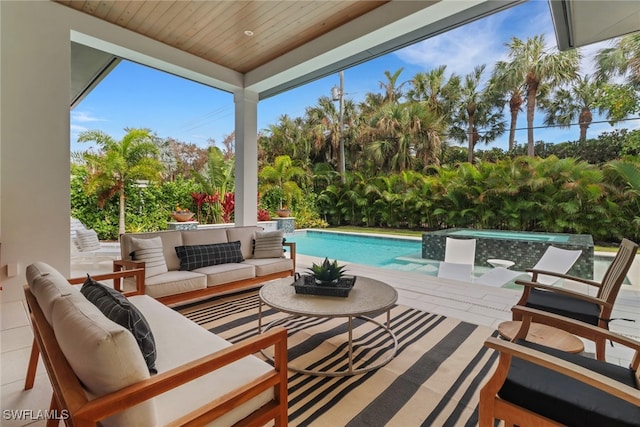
{"x": 174, "y": 282}
{"x": 179, "y": 341}
{"x": 267, "y": 266}
{"x": 226, "y": 273}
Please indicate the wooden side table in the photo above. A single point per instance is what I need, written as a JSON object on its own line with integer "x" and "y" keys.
{"x": 543, "y": 335}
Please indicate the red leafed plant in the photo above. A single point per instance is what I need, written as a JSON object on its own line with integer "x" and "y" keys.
{"x": 228, "y": 206}
{"x": 263, "y": 215}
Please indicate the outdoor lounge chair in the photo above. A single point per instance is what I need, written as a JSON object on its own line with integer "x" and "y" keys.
{"x": 554, "y": 259}
{"x": 85, "y": 244}
{"x": 591, "y": 310}
{"x": 557, "y": 260}
{"x": 538, "y": 385}
{"x": 459, "y": 258}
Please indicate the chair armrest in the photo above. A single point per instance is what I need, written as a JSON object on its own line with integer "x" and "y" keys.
{"x": 563, "y": 291}
{"x": 567, "y": 324}
{"x": 508, "y": 349}
{"x": 536, "y": 272}
{"x": 109, "y": 404}
{"x": 138, "y": 273}
{"x": 292, "y": 252}
{"x": 123, "y": 265}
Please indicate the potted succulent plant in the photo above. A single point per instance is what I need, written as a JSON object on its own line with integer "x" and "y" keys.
{"x": 328, "y": 273}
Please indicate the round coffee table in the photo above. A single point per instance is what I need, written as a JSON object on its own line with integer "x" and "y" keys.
{"x": 543, "y": 335}
{"x": 368, "y": 296}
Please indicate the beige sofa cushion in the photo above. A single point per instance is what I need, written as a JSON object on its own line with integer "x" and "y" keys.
{"x": 174, "y": 282}
{"x": 226, "y": 273}
{"x": 103, "y": 354}
{"x": 47, "y": 285}
{"x": 206, "y": 236}
{"x": 267, "y": 266}
{"x": 180, "y": 341}
{"x": 170, "y": 239}
{"x": 245, "y": 235}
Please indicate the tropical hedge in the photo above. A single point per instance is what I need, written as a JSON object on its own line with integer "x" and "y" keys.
{"x": 524, "y": 193}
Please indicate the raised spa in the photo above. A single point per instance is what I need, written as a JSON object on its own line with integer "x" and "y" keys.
{"x": 523, "y": 248}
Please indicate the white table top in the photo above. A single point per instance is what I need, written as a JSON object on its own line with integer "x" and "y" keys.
{"x": 367, "y": 296}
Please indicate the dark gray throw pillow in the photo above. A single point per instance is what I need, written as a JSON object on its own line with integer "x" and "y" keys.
{"x": 198, "y": 256}
{"x": 117, "y": 308}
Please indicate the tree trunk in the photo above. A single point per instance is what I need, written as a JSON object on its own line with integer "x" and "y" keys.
{"x": 514, "y": 105}
{"x": 584, "y": 121}
{"x": 532, "y": 88}
{"x": 121, "y": 220}
{"x": 471, "y": 140}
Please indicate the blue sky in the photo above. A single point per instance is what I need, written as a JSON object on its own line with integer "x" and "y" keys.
{"x": 134, "y": 96}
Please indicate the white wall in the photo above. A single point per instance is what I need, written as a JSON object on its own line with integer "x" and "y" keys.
{"x": 34, "y": 116}
{"x": 34, "y": 140}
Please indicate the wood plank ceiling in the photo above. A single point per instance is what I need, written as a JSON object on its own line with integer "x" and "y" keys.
{"x": 215, "y": 30}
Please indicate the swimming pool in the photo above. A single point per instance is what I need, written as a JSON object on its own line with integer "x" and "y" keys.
{"x": 397, "y": 253}
{"x": 356, "y": 248}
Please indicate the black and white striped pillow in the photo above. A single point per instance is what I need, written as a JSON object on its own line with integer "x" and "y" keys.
{"x": 118, "y": 309}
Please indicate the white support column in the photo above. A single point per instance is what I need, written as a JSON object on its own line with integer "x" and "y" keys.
{"x": 246, "y": 157}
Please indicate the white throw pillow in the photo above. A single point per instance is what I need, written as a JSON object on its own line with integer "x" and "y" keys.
{"x": 268, "y": 244}
{"x": 87, "y": 240}
{"x": 150, "y": 251}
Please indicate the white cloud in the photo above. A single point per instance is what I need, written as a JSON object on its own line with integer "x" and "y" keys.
{"x": 460, "y": 49}
{"x": 84, "y": 117}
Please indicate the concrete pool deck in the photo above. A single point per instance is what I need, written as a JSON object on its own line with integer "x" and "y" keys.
{"x": 477, "y": 304}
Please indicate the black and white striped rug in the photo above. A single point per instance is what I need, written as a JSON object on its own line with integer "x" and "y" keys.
{"x": 434, "y": 379}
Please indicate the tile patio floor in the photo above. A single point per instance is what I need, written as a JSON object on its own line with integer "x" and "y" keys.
{"x": 476, "y": 304}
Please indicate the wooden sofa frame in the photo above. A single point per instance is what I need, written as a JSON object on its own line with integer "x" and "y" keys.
{"x": 70, "y": 400}
{"x": 123, "y": 265}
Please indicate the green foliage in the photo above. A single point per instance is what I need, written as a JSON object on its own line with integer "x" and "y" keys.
{"x": 327, "y": 271}
{"x": 525, "y": 193}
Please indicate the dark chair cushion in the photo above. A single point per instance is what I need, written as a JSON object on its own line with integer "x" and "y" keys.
{"x": 198, "y": 256}
{"x": 565, "y": 399}
{"x": 117, "y": 308}
{"x": 564, "y": 305}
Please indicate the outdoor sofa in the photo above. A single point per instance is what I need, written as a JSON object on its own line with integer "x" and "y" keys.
{"x": 187, "y": 264}
{"x": 160, "y": 369}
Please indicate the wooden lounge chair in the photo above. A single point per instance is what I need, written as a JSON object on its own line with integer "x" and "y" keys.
{"x": 538, "y": 385}
{"x": 580, "y": 306}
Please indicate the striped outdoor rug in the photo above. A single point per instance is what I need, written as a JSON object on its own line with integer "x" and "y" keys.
{"x": 434, "y": 380}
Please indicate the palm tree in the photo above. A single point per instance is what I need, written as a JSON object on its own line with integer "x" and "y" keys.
{"x": 565, "y": 105}
{"x": 508, "y": 79}
{"x": 623, "y": 59}
{"x": 119, "y": 163}
{"x": 478, "y": 109}
{"x": 436, "y": 91}
{"x": 392, "y": 90}
{"x": 282, "y": 175}
{"x": 542, "y": 69}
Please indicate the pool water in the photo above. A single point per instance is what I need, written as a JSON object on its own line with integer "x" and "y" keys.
{"x": 397, "y": 253}
{"x": 512, "y": 235}
{"x": 358, "y": 249}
